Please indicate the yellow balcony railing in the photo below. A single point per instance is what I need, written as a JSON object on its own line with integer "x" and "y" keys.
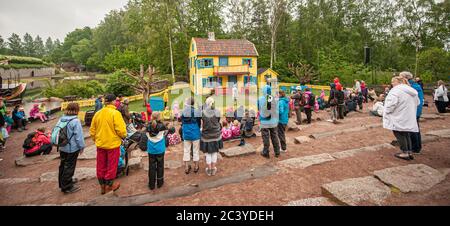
{"x": 232, "y": 70}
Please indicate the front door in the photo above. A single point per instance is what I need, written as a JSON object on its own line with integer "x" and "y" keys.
{"x": 232, "y": 79}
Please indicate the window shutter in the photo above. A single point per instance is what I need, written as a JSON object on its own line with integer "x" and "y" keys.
{"x": 204, "y": 81}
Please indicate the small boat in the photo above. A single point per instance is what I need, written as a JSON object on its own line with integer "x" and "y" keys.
{"x": 13, "y": 93}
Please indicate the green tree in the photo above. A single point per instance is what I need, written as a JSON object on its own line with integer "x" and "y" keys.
{"x": 15, "y": 45}
{"x": 81, "y": 51}
{"x": 119, "y": 83}
{"x": 49, "y": 46}
{"x": 28, "y": 45}
{"x": 39, "y": 49}
{"x": 435, "y": 61}
{"x": 2, "y": 46}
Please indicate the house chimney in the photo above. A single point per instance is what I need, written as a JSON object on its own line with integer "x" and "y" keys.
{"x": 211, "y": 36}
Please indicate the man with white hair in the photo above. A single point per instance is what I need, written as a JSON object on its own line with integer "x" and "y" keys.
{"x": 416, "y": 139}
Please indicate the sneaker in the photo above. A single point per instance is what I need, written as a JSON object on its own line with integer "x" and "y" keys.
{"x": 277, "y": 155}
{"x": 113, "y": 187}
{"x": 267, "y": 156}
{"x": 208, "y": 171}
{"x": 214, "y": 171}
{"x": 283, "y": 150}
{"x": 73, "y": 189}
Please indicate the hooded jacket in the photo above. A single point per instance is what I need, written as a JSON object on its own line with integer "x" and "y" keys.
{"x": 211, "y": 129}
{"x": 191, "y": 122}
{"x": 74, "y": 133}
{"x": 400, "y": 109}
{"x": 268, "y": 118}
{"x": 307, "y": 97}
{"x": 284, "y": 110}
{"x": 108, "y": 128}
{"x": 419, "y": 90}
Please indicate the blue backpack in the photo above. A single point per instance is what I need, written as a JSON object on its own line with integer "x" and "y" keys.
{"x": 59, "y": 137}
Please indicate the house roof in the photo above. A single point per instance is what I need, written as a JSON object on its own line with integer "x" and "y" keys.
{"x": 225, "y": 47}
{"x": 263, "y": 70}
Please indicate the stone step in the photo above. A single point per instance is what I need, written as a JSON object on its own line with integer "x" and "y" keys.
{"x": 12, "y": 181}
{"x": 319, "y": 201}
{"x": 444, "y": 133}
{"x": 307, "y": 161}
{"x": 80, "y": 174}
{"x": 357, "y": 191}
{"x": 302, "y": 140}
{"x": 410, "y": 178}
{"x": 353, "y": 152}
{"x": 247, "y": 149}
{"x": 344, "y": 131}
{"x": 26, "y": 161}
{"x": 431, "y": 116}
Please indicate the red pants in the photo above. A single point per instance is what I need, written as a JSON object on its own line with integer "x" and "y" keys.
{"x": 107, "y": 162}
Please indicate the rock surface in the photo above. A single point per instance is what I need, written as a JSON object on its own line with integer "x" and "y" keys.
{"x": 431, "y": 116}
{"x": 303, "y": 162}
{"x": 26, "y": 161}
{"x": 238, "y": 151}
{"x": 319, "y": 201}
{"x": 135, "y": 163}
{"x": 353, "y": 152}
{"x": 358, "y": 191}
{"x": 11, "y": 181}
{"x": 411, "y": 178}
{"x": 168, "y": 164}
{"x": 445, "y": 133}
{"x": 80, "y": 174}
{"x": 302, "y": 139}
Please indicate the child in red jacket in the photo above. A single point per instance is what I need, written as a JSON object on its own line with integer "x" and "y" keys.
{"x": 37, "y": 143}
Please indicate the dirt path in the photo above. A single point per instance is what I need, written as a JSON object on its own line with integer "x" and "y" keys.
{"x": 276, "y": 189}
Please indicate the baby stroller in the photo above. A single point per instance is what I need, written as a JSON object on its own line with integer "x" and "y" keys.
{"x": 137, "y": 120}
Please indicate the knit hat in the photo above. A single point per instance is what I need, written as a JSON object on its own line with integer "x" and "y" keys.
{"x": 110, "y": 98}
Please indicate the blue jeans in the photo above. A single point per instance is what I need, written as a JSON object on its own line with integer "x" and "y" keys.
{"x": 416, "y": 140}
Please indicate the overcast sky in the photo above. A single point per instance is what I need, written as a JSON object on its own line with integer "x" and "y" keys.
{"x": 52, "y": 18}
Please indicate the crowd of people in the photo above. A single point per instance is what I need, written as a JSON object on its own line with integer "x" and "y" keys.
{"x": 205, "y": 128}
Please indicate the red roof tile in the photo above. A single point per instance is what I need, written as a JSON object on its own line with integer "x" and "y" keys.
{"x": 225, "y": 47}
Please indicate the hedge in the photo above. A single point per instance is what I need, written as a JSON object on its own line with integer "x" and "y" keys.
{"x": 23, "y": 66}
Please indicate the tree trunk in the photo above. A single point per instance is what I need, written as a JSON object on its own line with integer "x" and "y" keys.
{"x": 170, "y": 45}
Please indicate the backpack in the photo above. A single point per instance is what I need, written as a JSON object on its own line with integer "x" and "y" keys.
{"x": 312, "y": 100}
{"x": 59, "y": 137}
{"x": 28, "y": 142}
{"x": 266, "y": 114}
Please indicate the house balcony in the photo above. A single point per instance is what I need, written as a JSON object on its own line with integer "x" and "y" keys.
{"x": 232, "y": 70}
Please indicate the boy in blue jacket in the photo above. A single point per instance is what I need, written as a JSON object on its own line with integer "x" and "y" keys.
{"x": 284, "y": 119}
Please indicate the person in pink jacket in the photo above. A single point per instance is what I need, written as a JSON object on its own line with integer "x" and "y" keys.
{"x": 35, "y": 113}
{"x": 235, "y": 129}
{"x": 226, "y": 131}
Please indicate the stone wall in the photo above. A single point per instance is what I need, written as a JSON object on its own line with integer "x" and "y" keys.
{"x": 27, "y": 73}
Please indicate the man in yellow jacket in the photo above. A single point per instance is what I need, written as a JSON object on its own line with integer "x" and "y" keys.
{"x": 107, "y": 130}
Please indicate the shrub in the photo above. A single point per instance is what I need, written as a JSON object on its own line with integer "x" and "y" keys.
{"x": 84, "y": 89}
{"x": 119, "y": 83}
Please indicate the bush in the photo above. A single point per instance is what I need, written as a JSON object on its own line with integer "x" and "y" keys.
{"x": 84, "y": 89}
{"x": 119, "y": 83}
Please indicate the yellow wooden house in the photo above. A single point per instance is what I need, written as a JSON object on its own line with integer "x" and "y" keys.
{"x": 221, "y": 64}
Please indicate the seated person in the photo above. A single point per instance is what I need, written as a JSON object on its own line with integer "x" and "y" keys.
{"x": 43, "y": 109}
{"x": 372, "y": 95}
{"x": 351, "y": 103}
{"x": 378, "y": 107}
{"x": 229, "y": 115}
{"x": 172, "y": 137}
{"x": 18, "y": 116}
{"x": 235, "y": 129}
{"x": 36, "y": 114}
{"x": 226, "y": 131}
{"x": 37, "y": 143}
